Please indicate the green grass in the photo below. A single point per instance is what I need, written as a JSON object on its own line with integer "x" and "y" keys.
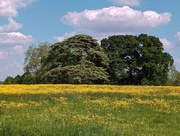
{"x": 89, "y": 114}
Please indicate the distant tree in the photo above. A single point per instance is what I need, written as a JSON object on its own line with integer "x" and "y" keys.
{"x": 79, "y": 59}
{"x": 34, "y": 57}
{"x": 9, "y": 80}
{"x": 28, "y": 78}
{"x": 137, "y": 60}
{"x": 174, "y": 77}
{"x": 18, "y": 79}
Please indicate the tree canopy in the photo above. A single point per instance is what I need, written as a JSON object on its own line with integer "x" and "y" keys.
{"x": 79, "y": 59}
{"x": 119, "y": 59}
{"x": 138, "y": 60}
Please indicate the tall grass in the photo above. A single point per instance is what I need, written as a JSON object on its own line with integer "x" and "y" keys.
{"x": 89, "y": 110}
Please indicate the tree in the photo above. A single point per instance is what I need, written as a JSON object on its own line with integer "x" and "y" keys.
{"x": 123, "y": 52}
{"x": 34, "y": 57}
{"x": 137, "y": 60}
{"x": 9, "y": 80}
{"x": 28, "y": 78}
{"x": 154, "y": 62}
{"x": 18, "y": 79}
{"x": 173, "y": 77}
{"x": 79, "y": 59}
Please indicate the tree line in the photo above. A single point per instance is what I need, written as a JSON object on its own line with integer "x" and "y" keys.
{"x": 118, "y": 59}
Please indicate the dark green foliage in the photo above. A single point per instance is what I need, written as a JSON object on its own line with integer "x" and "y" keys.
{"x": 123, "y": 52}
{"x": 155, "y": 62}
{"x": 18, "y": 79}
{"x": 81, "y": 73}
{"x": 79, "y": 59}
{"x": 26, "y": 78}
{"x": 120, "y": 59}
{"x": 138, "y": 60}
{"x": 9, "y": 80}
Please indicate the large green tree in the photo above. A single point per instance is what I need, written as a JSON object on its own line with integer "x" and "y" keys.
{"x": 78, "y": 59}
{"x": 154, "y": 61}
{"x": 123, "y": 52}
{"x": 137, "y": 59}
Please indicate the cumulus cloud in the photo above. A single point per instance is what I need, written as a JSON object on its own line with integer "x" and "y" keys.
{"x": 65, "y": 36}
{"x": 14, "y": 66}
{"x": 8, "y": 32}
{"x": 177, "y": 60}
{"x": 12, "y": 69}
{"x": 97, "y": 36}
{"x": 12, "y": 26}
{"x": 126, "y": 2}
{"x": 14, "y": 38}
{"x": 3, "y": 55}
{"x": 8, "y": 8}
{"x": 167, "y": 44}
{"x": 18, "y": 49}
{"x": 178, "y": 36}
{"x": 115, "y": 20}
{"x": 11, "y": 38}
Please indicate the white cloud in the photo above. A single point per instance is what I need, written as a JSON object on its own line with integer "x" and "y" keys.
{"x": 14, "y": 66}
{"x": 98, "y": 36}
{"x": 14, "y": 38}
{"x": 126, "y": 2}
{"x": 177, "y": 63}
{"x": 8, "y": 34}
{"x": 3, "y": 55}
{"x": 12, "y": 26}
{"x": 12, "y": 69}
{"x": 115, "y": 20}
{"x": 177, "y": 60}
{"x": 18, "y": 49}
{"x": 11, "y": 38}
{"x": 167, "y": 44}
{"x": 65, "y": 36}
{"x": 8, "y": 8}
{"x": 178, "y": 36}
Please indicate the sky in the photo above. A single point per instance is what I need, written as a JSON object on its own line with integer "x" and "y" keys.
{"x": 29, "y": 22}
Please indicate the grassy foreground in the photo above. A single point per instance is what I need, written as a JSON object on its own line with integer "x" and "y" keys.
{"x": 89, "y": 110}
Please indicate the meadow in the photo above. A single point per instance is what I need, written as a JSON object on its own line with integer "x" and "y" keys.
{"x": 89, "y": 110}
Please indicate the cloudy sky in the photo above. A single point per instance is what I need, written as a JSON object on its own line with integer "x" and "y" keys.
{"x": 29, "y": 22}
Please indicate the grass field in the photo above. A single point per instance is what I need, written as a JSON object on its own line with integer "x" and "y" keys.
{"x": 89, "y": 110}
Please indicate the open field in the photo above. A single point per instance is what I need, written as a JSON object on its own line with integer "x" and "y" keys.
{"x": 89, "y": 110}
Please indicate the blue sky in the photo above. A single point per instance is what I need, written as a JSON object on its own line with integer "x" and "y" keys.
{"x": 27, "y": 22}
